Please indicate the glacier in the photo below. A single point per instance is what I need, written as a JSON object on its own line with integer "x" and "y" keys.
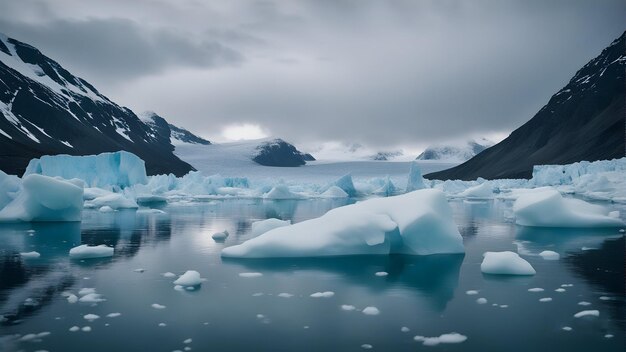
{"x": 418, "y": 222}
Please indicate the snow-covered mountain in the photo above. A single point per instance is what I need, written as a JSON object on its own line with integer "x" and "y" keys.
{"x": 45, "y": 110}
{"x": 582, "y": 121}
{"x": 177, "y": 135}
{"x": 455, "y": 153}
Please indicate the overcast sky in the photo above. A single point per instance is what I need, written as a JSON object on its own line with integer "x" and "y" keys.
{"x": 386, "y": 74}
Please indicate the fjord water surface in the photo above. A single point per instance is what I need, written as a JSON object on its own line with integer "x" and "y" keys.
{"x": 426, "y": 294}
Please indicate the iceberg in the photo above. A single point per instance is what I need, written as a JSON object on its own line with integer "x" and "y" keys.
{"x": 44, "y": 198}
{"x": 113, "y": 200}
{"x": 387, "y": 189}
{"x": 262, "y": 226}
{"x": 482, "y": 191}
{"x": 346, "y": 184}
{"x": 9, "y": 186}
{"x": 505, "y": 263}
{"x": 418, "y": 223}
{"x": 415, "y": 181}
{"x": 190, "y": 278}
{"x": 334, "y": 192}
{"x": 121, "y": 168}
{"x": 546, "y": 207}
{"x": 281, "y": 191}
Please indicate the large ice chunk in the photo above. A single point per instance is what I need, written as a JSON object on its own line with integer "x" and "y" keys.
{"x": 281, "y": 191}
{"x": 346, "y": 184}
{"x": 44, "y": 198}
{"x": 418, "y": 222}
{"x": 482, "y": 191}
{"x": 121, "y": 168}
{"x": 9, "y": 186}
{"x": 113, "y": 200}
{"x": 88, "y": 252}
{"x": 415, "y": 181}
{"x": 262, "y": 226}
{"x": 546, "y": 207}
{"x": 505, "y": 263}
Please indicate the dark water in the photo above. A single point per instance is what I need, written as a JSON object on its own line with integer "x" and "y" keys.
{"x": 233, "y": 313}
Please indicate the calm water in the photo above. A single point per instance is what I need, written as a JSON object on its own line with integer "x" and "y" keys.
{"x": 233, "y": 313}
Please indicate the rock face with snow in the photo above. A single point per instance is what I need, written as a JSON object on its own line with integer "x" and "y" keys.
{"x": 121, "y": 169}
{"x": 582, "y": 121}
{"x": 44, "y": 198}
{"x": 167, "y": 131}
{"x": 455, "y": 153}
{"x": 546, "y": 207}
{"x": 417, "y": 223}
{"x": 277, "y": 152}
{"x": 384, "y": 156}
{"x": 45, "y": 110}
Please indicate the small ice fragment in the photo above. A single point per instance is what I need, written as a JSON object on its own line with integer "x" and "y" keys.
{"x": 189, "y": 278}
{"x": 504, "y": 306}
{"x": 566, "y": 328}
{"x": 382, "y": 273}
{"x": 91, "y": 317}
{"x": 285, "y": 295}
{"x": 140, "y": 270}
{"x": 88, "y": 252}
{"x": 30, "y": 255}
{"x": 545, "y": 299}
{"x": 168, "y": 274}
{"x": 86, "y": 328}
{"x": 585, "y": 313}
{"x": 162, "y": 324}
{"x": 604, "y": 298}
{"x": 220, "y": 236}
{"x": 158, "y": 306}
{"x": 92, "y": 298}
{"x": 257, "y": 294}
{"x": 550, "y": 255}
{"x": 366, "y": 346}
{"x": 535, "y": 289}
{"x": 113, "y": 315}
{"x": 608, "y": 336}
{"x": 86, "y": 291}
{"x": 405, "y": 329}
{"x": 74, "y": 328}
{"x": 260, "y": 316}
{"x": 347, "y": 307}
{"x": 371, "y": 310}
{"x": 326, "y": 294}
{"x": 584, "y": 303}
{"x": 72, "y": 299}
{"x": 452, "y": 337}
{"x": 505, "y": 263}
{"x": 187, "y": 341}
{"x": 471, "y": 292}
{"x": 481, "y": 300}
{"x": 106, "y": 209}
{"x": 250, "y": 275}
{"x": 560, "y": 289}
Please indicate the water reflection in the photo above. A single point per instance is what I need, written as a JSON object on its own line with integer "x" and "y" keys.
{"x": 434, "y": 277}
{"x": 533, "y": 240}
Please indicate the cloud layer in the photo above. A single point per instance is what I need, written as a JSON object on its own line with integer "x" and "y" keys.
{"x": 385, "y": 74}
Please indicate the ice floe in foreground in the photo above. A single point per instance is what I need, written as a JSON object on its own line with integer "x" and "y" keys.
{"x": 546, "y": 207}
{"x": 44, "y": 198}
{"x": 220, "y": 236}
{"x": 505, "y": 263}
{"x": 87, "y": 252}
{"x": 419, "y": 222}
{"x": 190, "y": 278}
{"x": 262, "y": 226}
{"x": 549, "y": 255}
{"x": 587, "y": 313}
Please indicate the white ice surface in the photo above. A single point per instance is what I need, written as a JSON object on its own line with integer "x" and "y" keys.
{"x": 505, "y": 263}
{"x": 86, "y": 252}
{"x": 419, "y": 222}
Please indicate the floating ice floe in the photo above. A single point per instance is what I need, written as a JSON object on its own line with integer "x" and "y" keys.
{"x": 549, "y": 255}
{"x": 106, "y": 209}
{"x": 348, "y": 307}
{"x": 168, "y": 274}
{"x": 482, "y": 191}
{"x": 334, "y": 192}
{"x": 88, "y": 252}
{"x": 262, "y": 226}
{"x": 285, "y": 295}
{"x": 545, "y": 299}
{"x": 114, "y": 201}
{"x": 34, "y": 337}
{"x": 371, "y": 310}
{"x": 405, "y": 329}
{"x": 30, "y": 255}
{"x": 481, "y": 300}
{"x": 325, "y": 294}
{"x": 505, "y": 263}
{"x": 157, "y": 306}
{"x": 113, "y": 315}
{"x": 452, "y": 337}
{"x": 587, "y": 313}
{"x": 220, "y": 236}
{"x": 548, "y": 208}
{"x": 471, "y": 292}
{"x": 43, "y": 198}
{"x": 419, "y": 223}
{"x": 149, "y": 211}
{"x": 190, "y": 278}
{"x": 281, "y": 191}
{"x": 250, "y": 275}
{"x": 367, "y": 346}
{"x": 91, "y": 317}
{"x": 536, "y": 289}
{"x": 381, "y": 273}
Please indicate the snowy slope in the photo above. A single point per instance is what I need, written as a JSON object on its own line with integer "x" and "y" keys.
{"x": 455, "y": 153}
{"x": 177, "y": 135}
{"x": 45, "y": 110}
